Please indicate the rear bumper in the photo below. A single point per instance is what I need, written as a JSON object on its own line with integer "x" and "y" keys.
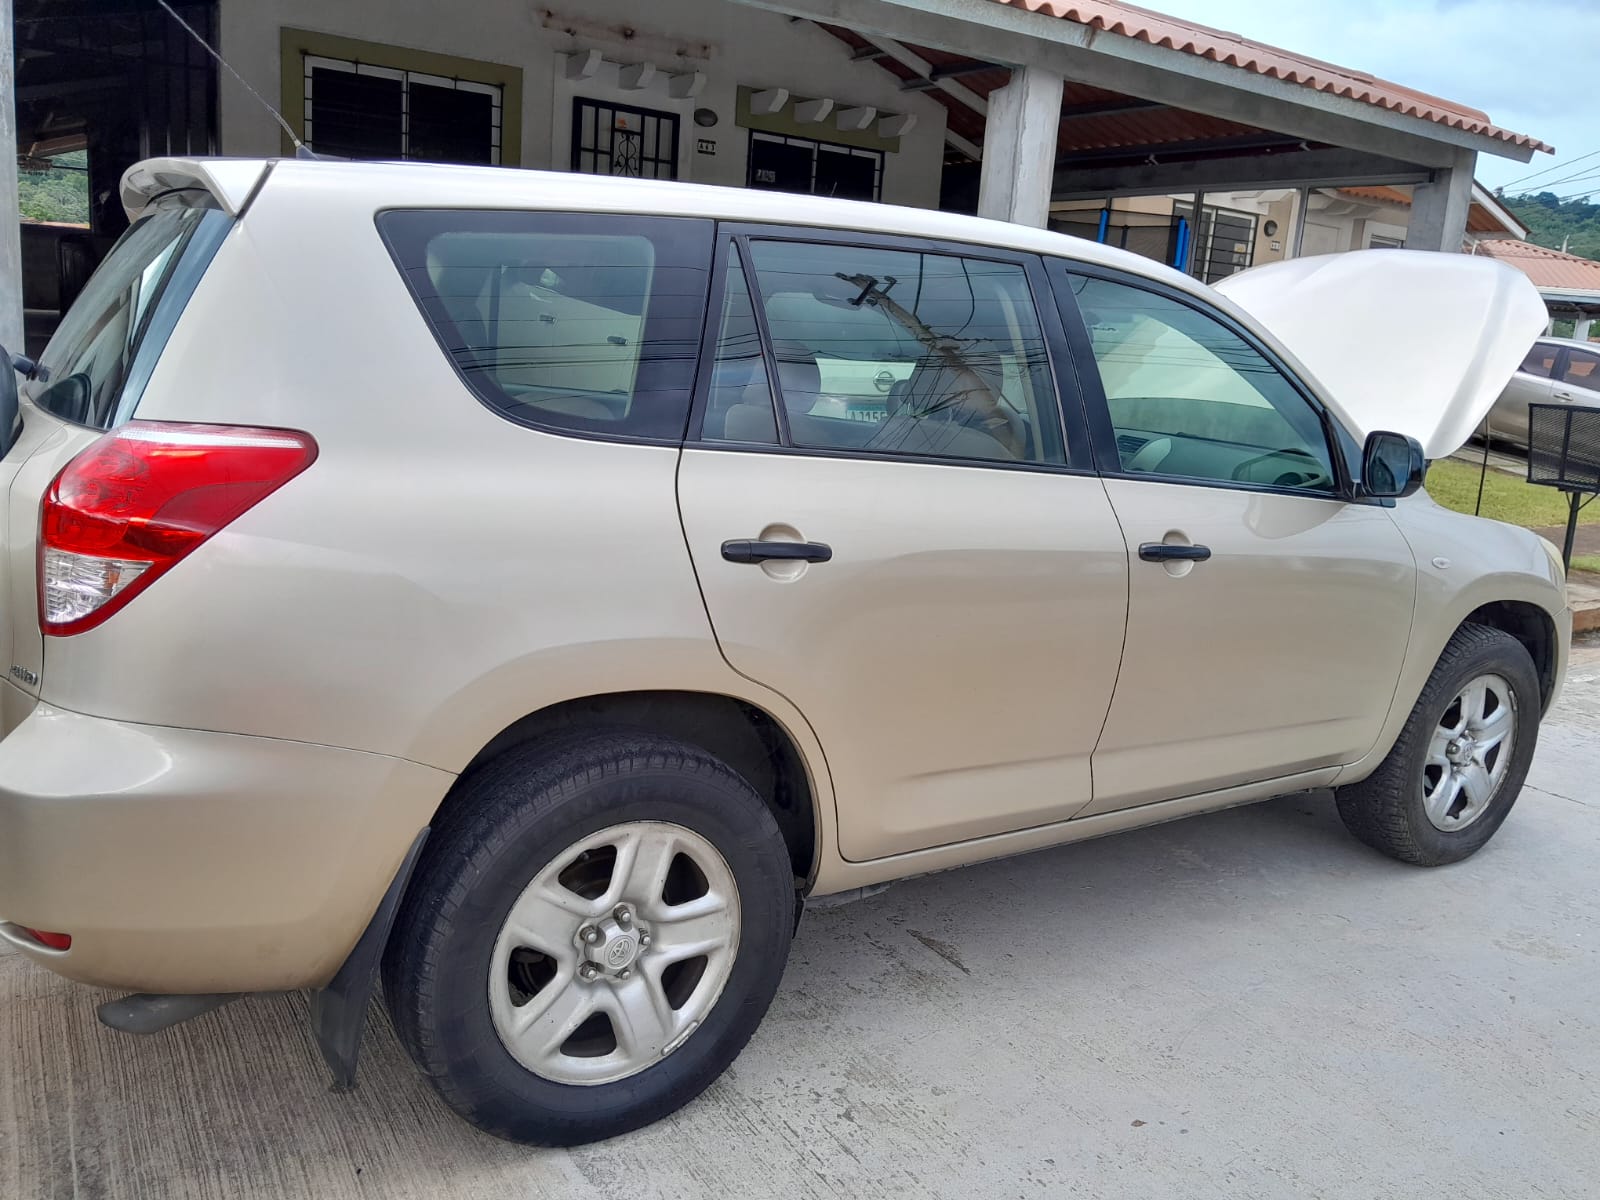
{"x": 186, "y": 861}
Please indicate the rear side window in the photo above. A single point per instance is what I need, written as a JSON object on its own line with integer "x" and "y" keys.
{"x": 571, "y": 322}
{"x": 96, "y": 365}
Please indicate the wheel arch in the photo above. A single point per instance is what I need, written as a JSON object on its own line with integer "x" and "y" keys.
{"x": 1534, "y": 628}
{"x": 743, "y": 735}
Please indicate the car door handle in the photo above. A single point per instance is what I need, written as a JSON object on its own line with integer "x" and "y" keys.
{"x": 1564, "y": 396}
{"x": 758, "y": 552}
{"x": 1165, "y": 552}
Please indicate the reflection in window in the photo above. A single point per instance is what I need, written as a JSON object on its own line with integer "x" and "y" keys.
{"x": 1580, "y": 368}
{"x": 580, "y": 322}
{"x": 1189, "y": 397}
{"x": 899, "y": 352}
{"x": 739, "y": 404}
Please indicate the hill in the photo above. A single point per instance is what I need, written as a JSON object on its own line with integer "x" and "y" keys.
{"x": 1551, "y": 221}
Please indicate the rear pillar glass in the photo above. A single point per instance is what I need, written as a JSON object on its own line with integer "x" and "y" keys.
{"x": 97, "y": 362}
{"x": 577, "y": 323}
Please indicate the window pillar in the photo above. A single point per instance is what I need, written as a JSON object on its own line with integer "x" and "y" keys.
{"x": 1019, "y": 148}
{"x": 10, "y": 203}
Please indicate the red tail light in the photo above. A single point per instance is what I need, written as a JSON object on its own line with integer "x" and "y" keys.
{"x": 134, "y": 503}
{"x": 56, "y": 941}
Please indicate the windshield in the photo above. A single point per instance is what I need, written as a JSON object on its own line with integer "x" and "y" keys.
{"x": 103, "y": 351}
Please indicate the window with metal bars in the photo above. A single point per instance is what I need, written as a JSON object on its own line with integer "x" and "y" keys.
{"x": 791, "y": 164}
{"x": 618, "y": 139}
{"x": 1224, "y": 240}
{"x": 357, "y": 110}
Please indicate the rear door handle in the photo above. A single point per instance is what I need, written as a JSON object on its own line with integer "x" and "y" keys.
{"x": 1163, "y": 552}
{"x": 758, "y": 552}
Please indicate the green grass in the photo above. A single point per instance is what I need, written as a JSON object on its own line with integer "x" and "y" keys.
{"x": 1586, "y": 562}
{"x": 1505, "y": 497}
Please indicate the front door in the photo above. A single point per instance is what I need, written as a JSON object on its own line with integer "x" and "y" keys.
{"x": 891, "y": 529}
{"x": 1267, "y": 615}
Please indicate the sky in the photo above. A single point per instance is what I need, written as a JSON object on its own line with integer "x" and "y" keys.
{"x": 1530, "y": 64}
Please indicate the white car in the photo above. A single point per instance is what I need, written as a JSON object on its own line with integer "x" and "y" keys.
{"x": 1556, "y": 371}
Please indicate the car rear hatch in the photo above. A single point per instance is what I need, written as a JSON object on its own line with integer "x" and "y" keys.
{"x": 94, "y": 371}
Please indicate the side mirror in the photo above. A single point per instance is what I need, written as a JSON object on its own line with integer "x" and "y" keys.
{"x": 8, "y": 398}
{"x": 1392, "y": 465}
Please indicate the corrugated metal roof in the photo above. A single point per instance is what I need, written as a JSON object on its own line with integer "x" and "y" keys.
{"x": 1546, "y": 268}
{"x": 1126, "y": 20}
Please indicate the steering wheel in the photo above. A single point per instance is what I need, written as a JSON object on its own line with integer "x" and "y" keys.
{"x": 1241, "y": 473}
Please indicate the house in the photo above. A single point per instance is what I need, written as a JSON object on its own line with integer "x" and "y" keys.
{"x": 1010, "y": 108}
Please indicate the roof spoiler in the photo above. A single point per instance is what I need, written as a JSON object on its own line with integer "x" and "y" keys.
{"x": 231, "y": 182}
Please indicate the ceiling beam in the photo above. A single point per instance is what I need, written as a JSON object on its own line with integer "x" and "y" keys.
{"x": 922, "y": 68}
{"x": 1108, "y": 108}
{"x": 1304, "y": 168}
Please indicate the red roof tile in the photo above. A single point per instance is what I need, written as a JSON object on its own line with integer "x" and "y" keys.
{"x": 1156, "y": 29}
{"x": 1546, "y": 268}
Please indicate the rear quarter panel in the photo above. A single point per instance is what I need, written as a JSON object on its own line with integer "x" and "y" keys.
{"x": 438, "y": 573}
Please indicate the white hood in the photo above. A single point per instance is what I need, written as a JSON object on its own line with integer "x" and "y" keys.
{"x": 1411, "y": 341}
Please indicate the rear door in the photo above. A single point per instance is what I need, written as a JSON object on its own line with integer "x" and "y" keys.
{"x": 90, "y": 378}
{"x": 1267, "y": 615}
{"x": 892, "y": 528}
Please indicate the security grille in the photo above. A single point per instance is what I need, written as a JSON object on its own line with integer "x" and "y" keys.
{"x": 793, "y": 164}
{"x": 1224, "y": 241}
{"x": 618, "y": 139}
{"x": 1564, "y": 447}
{"x": 357, "y": 110}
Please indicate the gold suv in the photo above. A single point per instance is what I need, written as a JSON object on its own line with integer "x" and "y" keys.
{"x": 530, "y": 589}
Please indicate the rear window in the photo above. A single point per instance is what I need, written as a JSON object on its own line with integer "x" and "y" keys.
{"x": 577, "y": 323}
{"x": 96, "y": 365}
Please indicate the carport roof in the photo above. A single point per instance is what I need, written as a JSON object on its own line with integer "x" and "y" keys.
{"x": 1097, "y": 123}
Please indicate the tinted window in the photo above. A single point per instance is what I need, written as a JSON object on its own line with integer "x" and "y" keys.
{"x": 104, "y": 349}
{"x": 892, "y": 351}
{"x": 1190, "y": 398}
{"x": 1580, "y": 369}
{"x": 1541, "y": 360}
{"x": 579, "y": 323}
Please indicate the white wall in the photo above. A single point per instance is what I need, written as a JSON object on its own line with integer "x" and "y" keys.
{"x": 745, "y": 46}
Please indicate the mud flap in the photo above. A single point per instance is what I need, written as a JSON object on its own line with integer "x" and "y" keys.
{"x": 339, "y": 1011}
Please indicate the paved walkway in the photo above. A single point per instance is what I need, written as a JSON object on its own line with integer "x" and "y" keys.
{"x": 1248, "y": 1004}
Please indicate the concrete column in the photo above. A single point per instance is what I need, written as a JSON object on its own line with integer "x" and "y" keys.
{"x": 1580, "y": 328}
{"x": 1439, "y": 208}
{"x": 10, "y": 211}
{"x": 1019, "y": 148}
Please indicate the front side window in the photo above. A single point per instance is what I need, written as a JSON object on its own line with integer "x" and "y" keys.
{"x": 578, "y": 323}
{"x": 907, "y": 352}
{"x": 106, "y": 344}
{"x": 1581, "y": 369}
{"x": 1541, "y": 361}
{"x": 1189, "y": 398}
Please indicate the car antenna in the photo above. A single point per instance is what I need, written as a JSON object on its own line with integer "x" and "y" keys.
{"x": 301, "y": 150}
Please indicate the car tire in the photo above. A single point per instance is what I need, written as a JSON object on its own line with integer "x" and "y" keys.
{"x": 457, "y": 962}
{"x": 1439, "y": 796}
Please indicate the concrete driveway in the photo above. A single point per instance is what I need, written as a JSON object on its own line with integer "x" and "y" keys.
{"x": 1246, "y": 1004}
